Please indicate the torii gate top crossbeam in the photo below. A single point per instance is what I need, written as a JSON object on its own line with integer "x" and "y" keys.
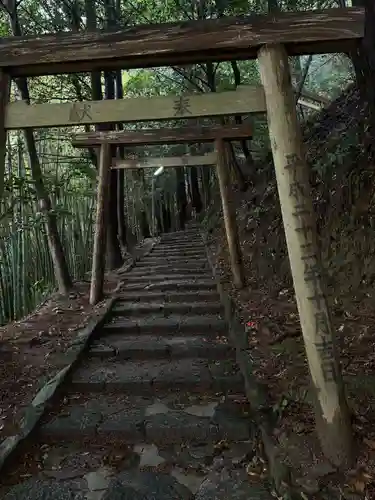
{"x": 163, "y": 136}
{"x": 309, "y": 32}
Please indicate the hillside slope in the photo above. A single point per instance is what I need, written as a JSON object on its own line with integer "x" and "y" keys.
{"x": 342, "y": 184}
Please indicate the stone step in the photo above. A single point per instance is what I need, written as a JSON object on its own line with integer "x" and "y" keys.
{"x": 177, "y": 235}
{"x": 118, "y": 471}
{"x": 187, "y": 264}
{"x": 173, "y": 285}
{"x": 170, "y": 262}
{"x": 163, "y": 325}
{"x": 143, "y": 347}
{"x": 190, "y": 269}
{"x": 186, "y": 240}
{"x": 189, "y": 249}
{"x": 186, "y": 245}
{"x": 180, "y": 242}
{"x": 176, "y": 297}
{"x": 137, "y": 308}
{"x": 130, "y": 277}
{"x": 181, "y": 254}
{"x": 175, "y": 419}
{"x": 150, "y": 377}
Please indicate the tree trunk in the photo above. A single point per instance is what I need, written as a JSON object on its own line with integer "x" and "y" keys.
{"x": 121, "y": 173}
{"x": 4, "y": 99}
{"x": 114, "y": 257}
{"x": 121, "y": 208}
{"x": 95, "y": 76}
{"x": 61, "y": 271}
{"x": 181, "y": 197}
{"x": 195, "y": 193}
{"x": 60, "y": 266}
{"x": 159, "y": 222}
{"x": 206, "y": 178}
{"x": 144, "y": 227}
{"x": 164, "y": 211}
{"x": 292, "y": 177}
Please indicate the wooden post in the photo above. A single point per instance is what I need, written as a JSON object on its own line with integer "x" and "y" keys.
{"x": 4, "y": 99}
{"x": 300, "y": 230}
{"x": 229, "y": 214}
{"x": 102, "y": 205}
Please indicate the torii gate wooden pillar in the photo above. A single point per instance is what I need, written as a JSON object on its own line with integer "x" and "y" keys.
{"x": 163, "y": 136}
{"x": 292, "y": 175}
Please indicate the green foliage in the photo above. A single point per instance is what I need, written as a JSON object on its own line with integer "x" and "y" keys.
{"x": 26, "y": 270}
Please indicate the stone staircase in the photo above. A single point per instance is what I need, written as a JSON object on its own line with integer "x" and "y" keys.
{"x": 156, "y": 410}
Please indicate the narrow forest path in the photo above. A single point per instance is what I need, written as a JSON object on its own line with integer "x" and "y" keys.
{"x": 155, "y": 411}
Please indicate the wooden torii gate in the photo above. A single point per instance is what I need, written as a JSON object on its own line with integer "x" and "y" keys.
{"x": 105, "y": 140}
{"x": 270, "y": 39}
{"x": 246, "y": 99}
{"x": 206, "y": 160}
{"x": 187, "y": 160}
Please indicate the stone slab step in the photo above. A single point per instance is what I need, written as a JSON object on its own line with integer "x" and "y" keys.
{"x": 179, "y": 235}
{"x": 176, "y": 297}
{"x": 137, "y": 308}
{"x": 140, "y": 472}
{"x": 178, "y": 246}
{"x": 197, "y": 251}
{"x": 135, "y": 419}
{"x": 143, "y": 347}
{"x": 190, "y": 266}
{"x": 181, "y": 242}
{"x": 150, "y": 377}
{"x": 163, "y": 325}
{"x": 171, "y": 262}
{"x": 131, "y": 277}
{"x": 190, "y": 240}
{"x": 188, "y": 245}
{"x": 173, "y": 285}
{"x": 183, "y": 237}
{"x": 190, "y": 270}
{"x": 176, "y": 256}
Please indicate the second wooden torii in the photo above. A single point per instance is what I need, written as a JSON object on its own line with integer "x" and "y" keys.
{"x": 209, "y": 159}
{"x": 105, "y": 140}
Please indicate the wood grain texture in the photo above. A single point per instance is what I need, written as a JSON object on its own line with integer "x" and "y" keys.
{"x": 246, "y": 99}
{"x": 292, "y": 177}
{"x": 163, "y": 136}
{"x": 208, "y": 159}
{"x": 309, "y": 32}
{"x": 229, "y": 215}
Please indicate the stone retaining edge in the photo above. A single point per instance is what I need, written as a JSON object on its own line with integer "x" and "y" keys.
{"x": 279, "y": 472}
{"x": 139, "y": 254}
{"x": 36, "y": 409}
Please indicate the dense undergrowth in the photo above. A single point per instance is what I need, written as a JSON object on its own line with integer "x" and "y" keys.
{"x": 342, "y": 189}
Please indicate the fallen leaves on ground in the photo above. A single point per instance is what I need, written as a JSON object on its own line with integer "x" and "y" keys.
{"x": 31, "y": 350}
{"x": 269, "y": 314}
